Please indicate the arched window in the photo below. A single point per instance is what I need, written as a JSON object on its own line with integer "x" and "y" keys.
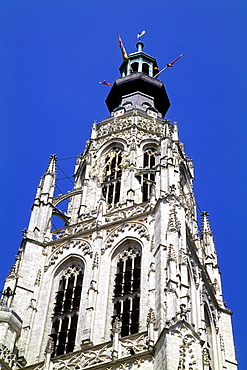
{"x": 126, "y": 298}
{"x": 145, "y": 68}
{"x": 207, "y": 350}
{"x": 112, "y": 176}
{"x": 148, "y": 179}
{"x": 135, "y": 66}
{"x": 65, "y": 314}
{"x": 183, "y": 180}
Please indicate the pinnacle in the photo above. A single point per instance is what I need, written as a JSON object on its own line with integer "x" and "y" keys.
{"x": 51, "y": 168}
{"x": 206, "y": 227}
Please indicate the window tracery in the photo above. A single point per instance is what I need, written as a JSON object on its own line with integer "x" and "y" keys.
{"x": 208, "y": 348}
{"x": 148, "y": 178}
{"x": 65, "y": 314}
{"x": 127, "y": 291}
{"x": 112, "y": 176}
{"x": 135, "y": 66}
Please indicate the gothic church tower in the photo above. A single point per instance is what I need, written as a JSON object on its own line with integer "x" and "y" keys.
{"x": 129, "y": 282}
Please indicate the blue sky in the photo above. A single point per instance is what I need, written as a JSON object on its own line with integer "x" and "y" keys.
{"x": 55, "y": 52}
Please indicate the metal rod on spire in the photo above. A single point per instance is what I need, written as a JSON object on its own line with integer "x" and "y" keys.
{"x": 169, "y": 65}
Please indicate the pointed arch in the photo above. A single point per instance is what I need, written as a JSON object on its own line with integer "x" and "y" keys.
{"x": 112, "y": 175}
{"x": 126, "y": 263}
{"x": 208, "y": 346}
{"x": 76, "y": 247}
{"x": 67, "y": 285}
{"x": 148, "y": 176}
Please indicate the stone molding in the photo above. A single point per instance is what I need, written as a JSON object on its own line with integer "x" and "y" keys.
{"x": 80, "y": 245}
{"x": 135, "y": 227}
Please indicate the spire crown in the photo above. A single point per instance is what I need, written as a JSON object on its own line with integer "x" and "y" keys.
{"x": 51, "y": 168}
{"x": 139, "y": 62}
{"x": 206, "y": 228}
{"x": 137, "y": 86}
{"x": 139, "y": 45}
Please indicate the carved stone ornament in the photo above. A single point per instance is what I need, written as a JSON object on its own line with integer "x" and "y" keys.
{"x": 84, "y": 359}
{"x": 133, "y": 346}
{"x": 173, "y": 222}
{"x": 13, "y": 273}
{"x": 135, "y": 227}
{"x": 116, "y": 327}
{"x": 7, "y": 356}
{"x": 171, "y": 253}
{"x": 151, "y": 316}
{"x": 96, "y": 260}
{"x": 38, "y": 278}
{"x": 139, "y": 362}
{"x": 205, "y": 357}
{"x": 71, "y": 230}
{"x": 49, "y": 346}
{"x": 127, "y": 213}
{"x": 98, "y": 168}
{"x": 182, "y": 258}
{"x": 124, "y": 366}
{"x": 77, "y": 244}
{"x": 109, "y": 127}
{"x": 222, "y": 344}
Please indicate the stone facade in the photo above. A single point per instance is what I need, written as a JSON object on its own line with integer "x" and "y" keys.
{"x": 129, "y": 282}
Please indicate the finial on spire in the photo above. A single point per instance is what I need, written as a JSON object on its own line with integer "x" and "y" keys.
{"x": 206, "y": 228}
{"x": 51, "y": 168}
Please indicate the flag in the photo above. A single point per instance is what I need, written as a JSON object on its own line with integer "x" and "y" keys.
{"x": 120, "y": 43}
{"x": 171, "y": 64}
{"x": 105, "y": 83}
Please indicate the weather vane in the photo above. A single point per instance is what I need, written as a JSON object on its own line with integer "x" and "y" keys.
{"x": 139, "y": 35}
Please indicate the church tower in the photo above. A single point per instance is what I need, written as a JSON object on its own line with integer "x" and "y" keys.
{"x": 129, "y": 282}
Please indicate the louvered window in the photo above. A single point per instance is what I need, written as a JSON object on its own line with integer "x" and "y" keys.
{"x": 127, "y": 291}
{"x": 112, "y": 176}
{"x": 65, "y": 317}
{"x": 148, "y": 177}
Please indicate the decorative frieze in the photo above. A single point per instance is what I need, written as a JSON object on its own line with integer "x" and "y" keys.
{"x": 84, "y": 359}
{"x": 13, "y": 273}
{"x": 133, "y": 346}
{"x": 173, "y": 223}
{"x": 7, "y": 356}
{"x": 78, "y": 244}
{"x": 134, "y": 227}
{"x": 127, "y": 213}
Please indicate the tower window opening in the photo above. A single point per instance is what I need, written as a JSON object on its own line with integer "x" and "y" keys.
{"x": 148, "y": 178}
{"x": 127, "y": 291}
{"x": 145, "y": 68}
{"x": 112, "y": 177}
{"x": 135, "y": 66}
{"x": 65, "y": 315}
